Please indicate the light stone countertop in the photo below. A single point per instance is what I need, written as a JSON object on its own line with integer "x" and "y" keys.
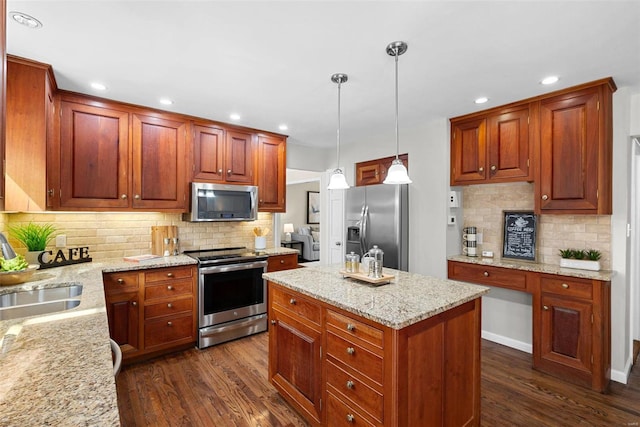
{"x": 57, "y": 369}
{"x": 408, "y": 299}
{"x": 604, "y": 275}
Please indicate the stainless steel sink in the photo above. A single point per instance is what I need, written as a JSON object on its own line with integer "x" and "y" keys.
{"x": 40, "y": 301}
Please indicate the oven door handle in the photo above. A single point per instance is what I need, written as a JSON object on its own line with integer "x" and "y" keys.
{"x": 233, "y": 267}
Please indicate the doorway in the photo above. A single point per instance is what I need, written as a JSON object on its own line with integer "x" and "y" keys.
{"x": 634, "y": 242}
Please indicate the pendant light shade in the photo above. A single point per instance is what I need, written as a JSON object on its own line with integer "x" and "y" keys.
{"x": 338, "y": 180}
{"x": 397, "y": 173}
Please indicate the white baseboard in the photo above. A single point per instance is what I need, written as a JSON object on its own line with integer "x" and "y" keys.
{"x": 620, "y": 376}
{"x": 509, "y": 342}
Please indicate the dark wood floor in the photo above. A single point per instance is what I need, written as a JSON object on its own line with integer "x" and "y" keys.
{"x": 227, "y": 385}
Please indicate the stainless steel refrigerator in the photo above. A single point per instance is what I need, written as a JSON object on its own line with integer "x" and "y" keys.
{"x": 379, "y": 215}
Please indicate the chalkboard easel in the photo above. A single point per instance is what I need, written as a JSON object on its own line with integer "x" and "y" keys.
{"x": 519, "y": 235}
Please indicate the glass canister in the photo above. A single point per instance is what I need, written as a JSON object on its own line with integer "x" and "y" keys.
{"x": 352, "y": 263}
{"x": 375, "y": 266}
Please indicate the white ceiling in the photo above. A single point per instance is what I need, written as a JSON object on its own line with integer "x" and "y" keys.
{"x": 271, "y": 61}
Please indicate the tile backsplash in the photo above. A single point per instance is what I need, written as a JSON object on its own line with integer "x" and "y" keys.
{"x": 483, "y": 207}
{"x": 115, "y": 235}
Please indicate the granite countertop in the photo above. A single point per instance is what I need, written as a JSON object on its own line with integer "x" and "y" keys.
{"x": 57, "y": 369}
{"x": 408, "y": 299}
{"x": 605, "y": 275}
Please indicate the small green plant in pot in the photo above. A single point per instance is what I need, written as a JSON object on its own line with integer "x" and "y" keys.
{"x": 584, "y": 259}
{"x": 34, "y": 236}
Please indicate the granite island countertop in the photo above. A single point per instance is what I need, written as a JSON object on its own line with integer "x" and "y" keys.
{"x": 408, "y": 299}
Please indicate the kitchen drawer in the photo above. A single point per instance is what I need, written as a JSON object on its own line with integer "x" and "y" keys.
{"x": 120, "y": 282}
{"x": 341, "y": 415}
{"x": 351, "y": 328}
{"x": 566, "y": 286}
{"x": 488, "y": 275}
{"x": 163, "y": 331}
{"x": 300, "y": 306}
{"x": 282, "y": 262}
{"x": 356, "y": 358}
{"x": 167, "y": 308}
{"x": 359, "y": 393}
{"x": 163, "y": 274}
{"x": 168, "y": 290}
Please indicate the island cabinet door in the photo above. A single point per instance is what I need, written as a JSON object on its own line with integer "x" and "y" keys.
{"x": 438, "y": 364}
{"x": 295, "y": 363}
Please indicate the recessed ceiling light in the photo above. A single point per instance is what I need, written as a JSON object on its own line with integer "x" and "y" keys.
{"x": 26, "y": 20}
{"x": 166, "y": 101}
{"x": 549, "y": 80}
{"x": 234, "y": 116}
{"x": 481, "y": 100}
{"x": 283, "y": 127}
{"x": 98, "y": 86}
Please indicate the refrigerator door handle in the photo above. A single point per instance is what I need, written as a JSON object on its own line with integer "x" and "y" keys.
{"x": 363, "y": 233}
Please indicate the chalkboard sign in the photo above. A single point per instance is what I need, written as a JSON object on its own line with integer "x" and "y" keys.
{"x": 519, "y": 237}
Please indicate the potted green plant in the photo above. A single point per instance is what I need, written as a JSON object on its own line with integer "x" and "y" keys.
{"x": 34, "y": 237}
{"x": 582, "y": 259}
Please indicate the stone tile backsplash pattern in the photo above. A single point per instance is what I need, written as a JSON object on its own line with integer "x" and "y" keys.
{"x": 483, "y": 206}
{"x": 115, "y": 235}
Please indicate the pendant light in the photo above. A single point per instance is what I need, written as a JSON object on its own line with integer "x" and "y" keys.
{"x": 397, "y": 173}
{"x": 338, "y": 180}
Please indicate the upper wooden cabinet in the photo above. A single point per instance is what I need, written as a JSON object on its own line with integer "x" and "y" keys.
{"x": 222, "y": 155}
{"x": 375, "y": 171}
{"x": 30, "y": 109}
{"x": 576, "y": 145}
{"x": 492, "y": 147}
{"x": 271, "y": 174}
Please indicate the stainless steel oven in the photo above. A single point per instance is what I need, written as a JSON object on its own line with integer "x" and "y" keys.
{"x": 232, "y": 295}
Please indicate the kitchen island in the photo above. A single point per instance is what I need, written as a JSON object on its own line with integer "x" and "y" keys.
{"x": 401, "y": 354}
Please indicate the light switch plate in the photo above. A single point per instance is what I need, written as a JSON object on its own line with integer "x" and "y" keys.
{"x": 61, "y": 241}
{"x": 454, "y": 199}
{"x": 452, "y": 220}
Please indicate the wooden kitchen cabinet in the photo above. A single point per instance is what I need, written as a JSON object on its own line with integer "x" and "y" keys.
{"x": 572, "y": 330}
{"x": 30, "y": 106}
{"x": 282, "y": 262}
{"x": 576, "y": 145}
{"x": 154, "y": 309}
{"x": 271, "y": 173}
{"x": 492, "y": 146}
{"x": 222, "y": 155}
{"x": 374, "y": 172}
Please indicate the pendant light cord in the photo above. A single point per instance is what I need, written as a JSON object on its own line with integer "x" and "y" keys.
{"x": 338, "y": 133}
{"x": 397, "y": 137}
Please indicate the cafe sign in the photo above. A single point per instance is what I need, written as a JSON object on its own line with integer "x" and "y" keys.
{"x": 48, "y": 259}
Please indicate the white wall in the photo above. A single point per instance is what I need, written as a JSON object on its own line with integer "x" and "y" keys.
{"x": 635, "y": 114}
{"x": 310, "y": 158}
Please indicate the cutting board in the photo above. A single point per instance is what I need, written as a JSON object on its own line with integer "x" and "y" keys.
{"x": 158, "y": 234}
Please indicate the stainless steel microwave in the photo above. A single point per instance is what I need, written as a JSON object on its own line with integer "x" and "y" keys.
{"x": 219, "y": 202}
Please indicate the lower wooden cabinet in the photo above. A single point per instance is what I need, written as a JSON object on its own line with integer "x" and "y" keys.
{"x": 282, "y": 262}
{"x": 340, "y": 369}
{"x": 571, "y": 320}
{"x": 151, "y": 311}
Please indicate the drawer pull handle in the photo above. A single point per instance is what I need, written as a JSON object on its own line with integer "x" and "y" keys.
{"x": 545, "y": 197}
{"x": 564, "y": 285}
{"x": 351, "y": 350}
{"x": 120, "y": 281}
{"x": 350, "y": 385}
{"x": 169, "y": 323}
{"x": 486, "y": 274}
{"x": 493, "y": 168}
{"x": 350, "y": 418}
{"x": 481, "y": 169}
{"x": 169, "y": 288}
{"x": 351, "y": 327}
{"x": 134, "y": 303}
{"x": 546, "y": 307}
{"x": 123, "y": 196}
{"x": 273, "y": 322}
{"x": 281, "y": 261}
{"x": 169, "y": 305}
{"x": 169, "y": 274}
{"x": 293, "y": 301}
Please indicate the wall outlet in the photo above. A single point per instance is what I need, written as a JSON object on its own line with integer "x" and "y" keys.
{"x": 61, "y": 241}
{"x": 454, "y": 199}
{"x": 452, "y": 220}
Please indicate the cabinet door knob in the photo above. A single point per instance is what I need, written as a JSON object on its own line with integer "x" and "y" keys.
{"x": 169, "y": 323}
{"x": 564, "y": 285}
{"x": 273, "y": 322}
{"x": 219, "y": 171}
{"x": 281, "y": 261}
{"x": 134, "y": 303}
{"x": 351, "y": 327}
{"x": 229, "y": 172}
{"x": 351, "y": 350}
{"x": 50, "y": 192}
{"x": 169, "y": 288}
{"x": 123, "y": 196}
{"x": 546, "y": 307}
{"x": 480, "y": 169}
{"x": 169, "y": 274}
{"x": 120, "y": 281}
{"x": 486, "y": 274}
{"x": 338, "y": 243}
{"x": 350, "y": 418}
{"x": 137, "y": 197}
{"x": 169, "y": 305}
{"x": 350, "y": 385}
{"x": 292, "y": 301}
{"x": 493, "y": 168}
{"x": 545, "y": 197}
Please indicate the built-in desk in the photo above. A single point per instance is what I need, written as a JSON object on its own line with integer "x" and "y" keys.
{"x": 571, "y": 313}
